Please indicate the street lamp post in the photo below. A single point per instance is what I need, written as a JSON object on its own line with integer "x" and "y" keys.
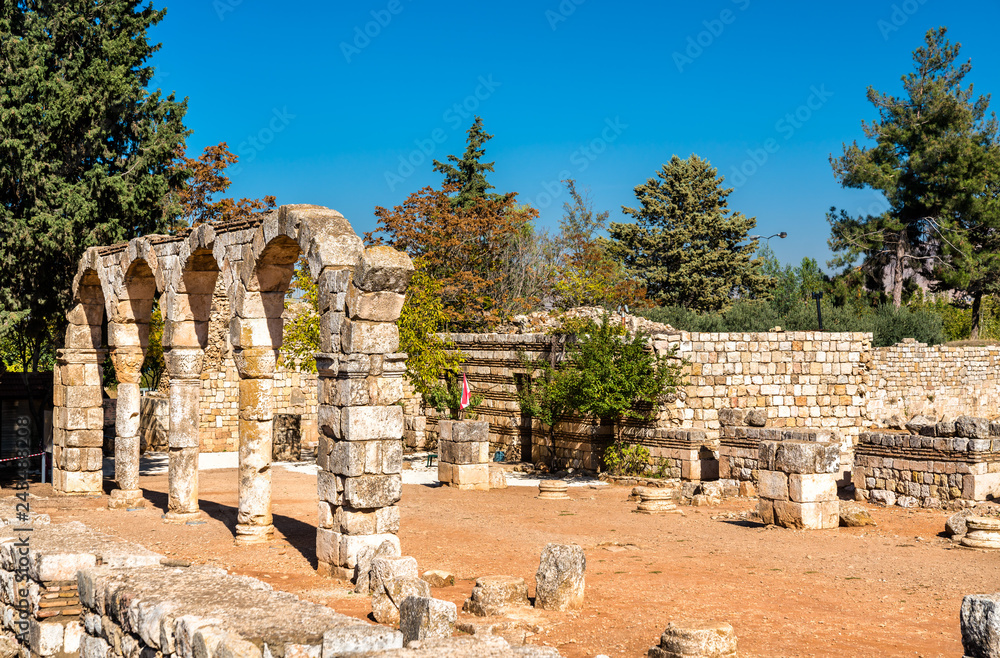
{"x": 781, "y": 235}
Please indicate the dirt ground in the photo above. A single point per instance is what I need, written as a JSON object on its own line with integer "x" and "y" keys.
{"x": 892, "y": 590}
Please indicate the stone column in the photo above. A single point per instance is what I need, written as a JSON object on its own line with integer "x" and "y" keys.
{"x": 184, "y": 367}
{"x": 78, "y": 421}
{"x": 256, "y": 366}
{"x": 128, "y": 368}
{"x": 361, "y": 425}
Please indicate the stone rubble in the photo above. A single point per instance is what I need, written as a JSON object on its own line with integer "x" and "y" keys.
{"x": 696, "y": 639}
{"x": 423, "y": 618}
{"x": 493, "y": 595}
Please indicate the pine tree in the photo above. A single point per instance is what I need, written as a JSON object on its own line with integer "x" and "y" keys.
{"x": 930, "y": 161}
{"x": 468, "y": 174}
{"x": 685, "y": 244}
{"x": 85, "y": 148}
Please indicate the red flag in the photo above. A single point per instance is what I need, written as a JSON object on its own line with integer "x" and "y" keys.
{"x": 466, "y": 396}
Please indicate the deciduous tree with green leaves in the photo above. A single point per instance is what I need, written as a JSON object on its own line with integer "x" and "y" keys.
{"x": 931, "y": 160}
{"x": 686, "y": 245}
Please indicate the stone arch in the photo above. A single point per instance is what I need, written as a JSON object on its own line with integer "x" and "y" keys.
{"x": 359, "y": 366}
{"x": 187, "y": 309}
{"x": 128, "y": 337}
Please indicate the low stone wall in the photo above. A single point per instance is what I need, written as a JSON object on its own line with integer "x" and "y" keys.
{"x": 911, "y": 378}
{"x": 38, "y": 582}
{"x": 910, "y": 470}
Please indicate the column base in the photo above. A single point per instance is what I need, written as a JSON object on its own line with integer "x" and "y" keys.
{"x": 126, "y": 499}
{"x": 253, "y": 534}
{"x": 328, "y": 570}
{"x": 183, "y": 517}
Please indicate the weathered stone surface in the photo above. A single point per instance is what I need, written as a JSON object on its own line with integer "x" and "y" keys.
{"x": 373, "y": 306}
{"x": 982, "y": 532}
{"x": 471, "y": 452}
{"x": 371, "y": 491}
{"x": 807, "y": 516}
{"x": 363, "y": 563}
{"x": 980, "y": 622}
{"x": 807, "y": 457}
{"x": 498, "y": 478}
{"x": 463, "y": 431}
{"x": 731, "y": 417}
{"x": 883, "y": 497}
{"x": 765, "y": 510}
{"x": 372, "y": 423}
{"x": 385, "y": 568}
{"x": 812, "y": 487}
{"x": 756, "y": 418}
{"x": 438, "y": 578}
{"x": 492, "y": 595}
{"x": 696, "y": 639}
{"x": 421, "y": 618}
{"x": 387, "y": 598}
{"x": 772, "y": 484}
{"x": 765, "y": 455}
{"x": 363, "y": 337}
{"x": 560, "y": 580}
{"x": 286, "y": 438}
{"x": 382, "y": 268}
{"x": 853, "y": 515}
{"x": 972, "y": 427}
{"x": 918, "y": 424}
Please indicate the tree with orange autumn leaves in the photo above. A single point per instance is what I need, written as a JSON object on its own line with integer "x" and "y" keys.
{"x": 206, "y": 178}
{"x": 465, "y": 248}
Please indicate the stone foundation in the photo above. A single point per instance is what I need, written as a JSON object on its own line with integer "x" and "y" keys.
{"x": 464, "y": 454}
{"x": 797, "y": 484}
{"x": 928, "y": 470}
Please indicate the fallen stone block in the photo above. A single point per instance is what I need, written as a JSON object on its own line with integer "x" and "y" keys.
{"x": 387, "y": 567}
{"x": 696, "y": 639}
{"x": 438, "y": 578}
{"x": 853, "y": 515}
{"x": 362, "y": 569}
{"x": 422, "y": 617}
{"x": 972, "y": 427}
{"x": 756, "y": 418}
{"x": 731, "y": 417}
{"x": 492, "y": 595}
{"x": 980, "y": 622}
{"x": 560, "y": 580}
{"x": 387, "y": 598}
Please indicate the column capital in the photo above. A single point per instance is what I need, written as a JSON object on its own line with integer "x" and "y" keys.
{"x": 184, "y": 362}
{"x": 128, "y": 364}
{"x": 256, "y": 362}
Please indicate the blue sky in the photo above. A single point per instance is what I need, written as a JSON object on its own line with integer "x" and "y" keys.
{"x": 346, "y": 104}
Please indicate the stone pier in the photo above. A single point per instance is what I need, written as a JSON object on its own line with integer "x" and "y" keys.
{"x": 797, "y": 484}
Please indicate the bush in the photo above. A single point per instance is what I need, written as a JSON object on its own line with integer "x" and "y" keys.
{"x": 891, "y": 325}
{"x": 626, "y": 459}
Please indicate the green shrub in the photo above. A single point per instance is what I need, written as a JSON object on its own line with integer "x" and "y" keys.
{"x": 626, "y": 458}
{"x": 892, "y": 325}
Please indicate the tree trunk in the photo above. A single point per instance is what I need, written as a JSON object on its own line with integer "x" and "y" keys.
{"x": 977, "y": 315}
{"x": 897, "y": 279}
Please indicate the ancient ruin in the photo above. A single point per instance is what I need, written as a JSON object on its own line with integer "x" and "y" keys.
{"x": 360, "y": 370}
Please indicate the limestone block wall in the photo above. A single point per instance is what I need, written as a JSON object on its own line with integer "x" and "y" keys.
{"x": 899, "y": 468}
{"x": 799, "y": 379}
{"x": 912, "y": 378}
